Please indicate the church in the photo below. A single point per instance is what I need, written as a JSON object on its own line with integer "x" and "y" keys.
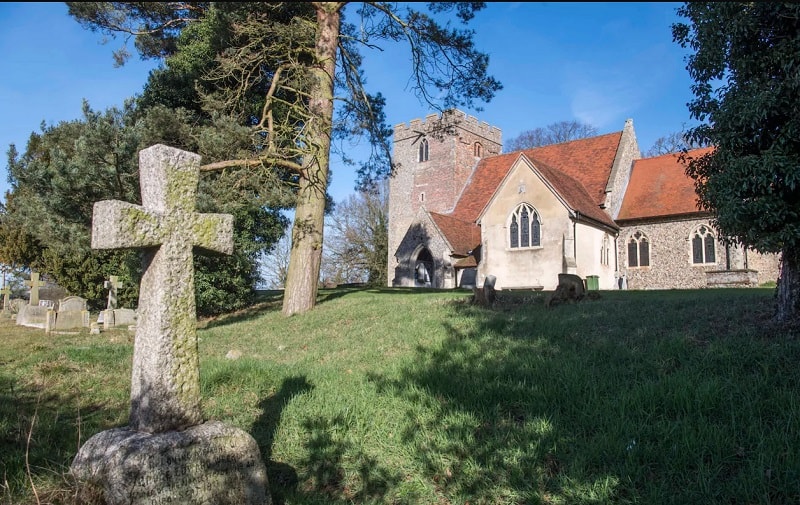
{"x": 460, "y": 210}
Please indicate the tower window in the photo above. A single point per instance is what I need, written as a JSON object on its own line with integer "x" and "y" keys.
{"x": 423, "y": 150}
{"x": 478, "y": 149}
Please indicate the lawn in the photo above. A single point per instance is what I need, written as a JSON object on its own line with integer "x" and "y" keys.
{"x": 419, "y": 397}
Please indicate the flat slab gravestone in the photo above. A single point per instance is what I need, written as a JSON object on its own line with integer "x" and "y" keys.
{"x": 167, "y": 453}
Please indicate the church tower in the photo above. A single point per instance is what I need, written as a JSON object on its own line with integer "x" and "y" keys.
{"x": 433, "y": 158}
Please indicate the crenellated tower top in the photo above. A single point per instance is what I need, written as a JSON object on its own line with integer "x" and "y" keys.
{"x": 452, "y": 119}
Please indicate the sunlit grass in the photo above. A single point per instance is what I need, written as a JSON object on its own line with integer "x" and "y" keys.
{"x": 403, "y": 396}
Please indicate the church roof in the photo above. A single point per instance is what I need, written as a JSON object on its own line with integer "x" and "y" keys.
{"x": 659, "y": 187}
{"x": 588, "y": 161}
{"x": 574, "y": 193}
{"x": 578, "y": 171}
{"x": 463, "y": 236}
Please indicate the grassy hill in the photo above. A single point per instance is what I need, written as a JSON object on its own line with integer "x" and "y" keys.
{"x": 408, "y": 396}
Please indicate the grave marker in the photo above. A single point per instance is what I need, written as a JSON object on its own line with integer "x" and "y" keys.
{"x": 112, "y": 285}
{"x": 6, "y": 298}
{"x": 34, "y": 284}
{"x": 166, "y": 452}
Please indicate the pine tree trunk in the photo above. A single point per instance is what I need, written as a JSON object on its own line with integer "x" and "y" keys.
{"x": 788, "y": 290}
{"x": 302, "y": 279}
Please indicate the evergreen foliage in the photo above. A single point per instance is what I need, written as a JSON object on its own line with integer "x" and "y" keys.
{"x": 745, "y": 67}
{"x": 66, "y": 168}
{"x": 277, "y": 70}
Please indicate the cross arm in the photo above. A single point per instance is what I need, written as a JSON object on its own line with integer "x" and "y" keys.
{"x": 117, "y": 224}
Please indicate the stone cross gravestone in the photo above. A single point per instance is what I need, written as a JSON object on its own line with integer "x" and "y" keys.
{"x": 112, "y": 285}
{"x": 34, "y": 284}
{"x": 167, "y": 453}
{"x": 6, "y": 298}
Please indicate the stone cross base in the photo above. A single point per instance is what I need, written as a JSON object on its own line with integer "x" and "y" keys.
{"x": 207, "y": 463}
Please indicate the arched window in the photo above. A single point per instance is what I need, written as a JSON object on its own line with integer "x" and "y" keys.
{"x": 524, "y": 229}
{"x": 478, "y": 149}
{"x": 703, "y": 246}
{"x": 638, "y": 251}
{"x": 423, "y": 150}
{"x": 605, "y": 250}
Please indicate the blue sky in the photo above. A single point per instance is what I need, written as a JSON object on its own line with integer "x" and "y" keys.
{"x": 598, "y": 63}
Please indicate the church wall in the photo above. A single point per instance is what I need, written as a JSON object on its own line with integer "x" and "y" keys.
{"x": 422, "y": 233}
{"x": 670, "y": 256}
{"x": 527, "y": 267}
{"x": 767, "y": 266}
{"x": 627, "y": 152}
{"x": 595, "y": 252}
{"x": 434, "y": 184}
{"x": 671, "y": 264}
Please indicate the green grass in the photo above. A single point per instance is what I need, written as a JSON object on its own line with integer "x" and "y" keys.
{"x": 405, "y": 396}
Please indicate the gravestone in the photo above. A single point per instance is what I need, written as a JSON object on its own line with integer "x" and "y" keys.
{"x": 167, "y": 454}
{"x": 6, "y": 300}
{"x": 71, "y": 314}
{"x": 570, "y": 289}
{"x": 112, "y": 285}
{"x": 486, "y": 295}
{"x": 112, "y": 316}
{"x": 34, "y": 284}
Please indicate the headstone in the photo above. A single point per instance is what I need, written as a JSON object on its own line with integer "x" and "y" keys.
{"x": 112, "y": 285}
{"x": 71, "y": 314}
{"x": 486, "y": 295}
{"x": 488, "y": 289}
{"x": 72, "y": 303}
{"x": 6, "y": 299}
{"x": 112, "y": 318}
{"x": 570, "y": 289}
{"x": 167, "y": 454}
{"x": 34, "y": 284}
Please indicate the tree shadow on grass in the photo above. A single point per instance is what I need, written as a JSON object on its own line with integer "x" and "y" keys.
{"x": 584, "y": 403}
{"x": 39, "y": 436}
{"x": 265, "y": 304}
{"x": 328, "y": 453}
{"x": 327, "y": 447}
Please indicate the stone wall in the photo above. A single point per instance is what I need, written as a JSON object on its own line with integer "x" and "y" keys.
{"x": 671, "y": 264}
{"x": 436, "y": 184}
{"x": 422, "y": 233}
{"x": 627, "y": 152}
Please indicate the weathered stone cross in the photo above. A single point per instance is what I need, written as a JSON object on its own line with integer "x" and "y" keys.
{"x": 6, "y": 291}
{"x": 112, "y": 285}
{"x": 34, "y": 284}
{"x": 165, "y": 386}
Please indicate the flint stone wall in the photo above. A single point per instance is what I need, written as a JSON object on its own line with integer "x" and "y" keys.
{"x": 209, "y": 463}
{"x": 423, "y": 234}
{"x": 671, "y": 264}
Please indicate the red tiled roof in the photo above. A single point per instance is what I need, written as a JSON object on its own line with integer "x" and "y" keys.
{"x": 660, "y": 187}
{"x": 462, "y": 235}
{"x": 589, "y": 161}
{"x": 574, "y": 193}
{"x": 468, "y": 262}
